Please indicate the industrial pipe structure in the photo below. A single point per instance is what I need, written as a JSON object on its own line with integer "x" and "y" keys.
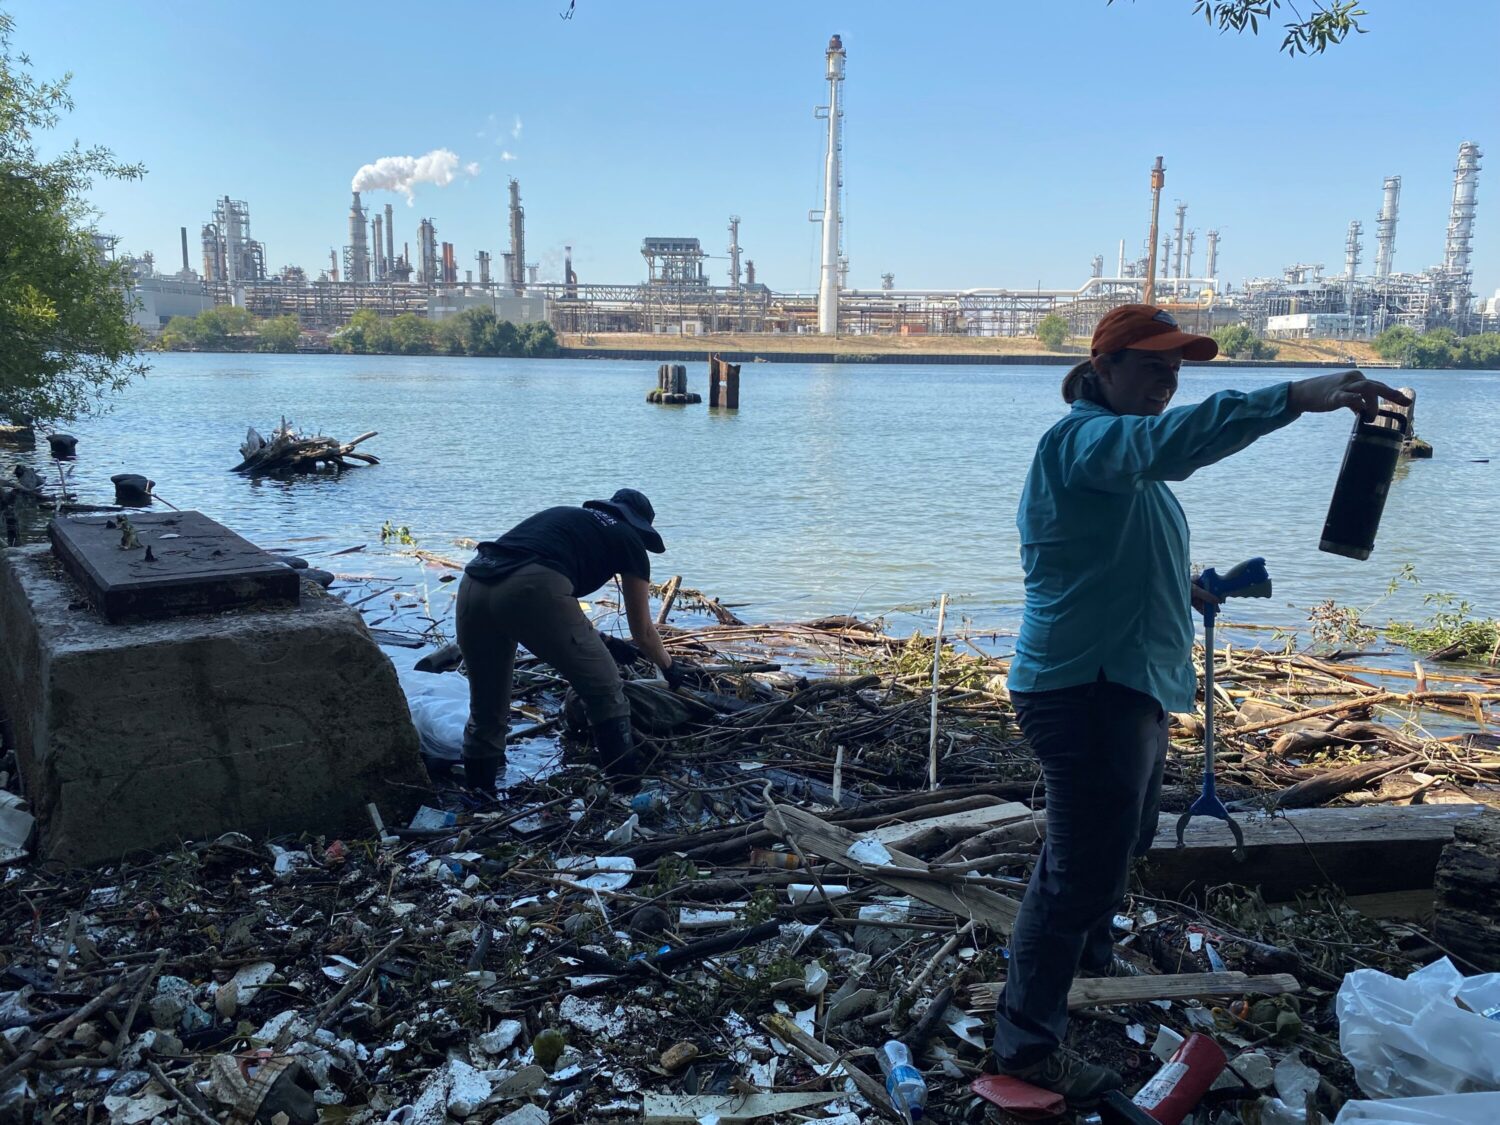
{"x": 1158, "y": 181}
{"x": 828, "y": 282}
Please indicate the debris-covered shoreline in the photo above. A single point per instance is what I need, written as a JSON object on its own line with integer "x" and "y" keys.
{"x": 737, "y": 939}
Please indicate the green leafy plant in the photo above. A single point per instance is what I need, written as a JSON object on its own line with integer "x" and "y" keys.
{"x": 1337, "y": 626}
{"x": 1450, "y": 629}
{"x": 1238, "y": 342}
{"x": 389, "y": 533}
{"x": 1052, "y": 331}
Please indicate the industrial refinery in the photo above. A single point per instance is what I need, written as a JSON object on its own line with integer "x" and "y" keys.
{"x": 373, "y": 269}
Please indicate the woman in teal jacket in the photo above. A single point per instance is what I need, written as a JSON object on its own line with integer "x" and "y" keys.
{"x": 1105, "y": 648}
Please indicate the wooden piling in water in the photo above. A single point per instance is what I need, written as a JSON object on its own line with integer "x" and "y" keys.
{"x": 723, "y": 384}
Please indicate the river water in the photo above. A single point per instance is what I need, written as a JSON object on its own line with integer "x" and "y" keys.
{"x": 834, "y": 489}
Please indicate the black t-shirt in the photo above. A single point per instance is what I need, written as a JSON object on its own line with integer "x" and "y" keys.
{"x": 585, "y": 545}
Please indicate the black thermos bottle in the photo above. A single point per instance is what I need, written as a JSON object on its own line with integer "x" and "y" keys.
{"x": 1364, "y": 479}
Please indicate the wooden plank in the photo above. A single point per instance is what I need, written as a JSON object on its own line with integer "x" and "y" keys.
{"x": 1097, "y": 992}
{"x": 903, "y": 835}
{"x": 689, "y": 1109}
{"x": 1405, "y": 906}
{"x": 1367, "y": 850}
{"x": 793, "y": 1036}
{"x": 806, "y": 832}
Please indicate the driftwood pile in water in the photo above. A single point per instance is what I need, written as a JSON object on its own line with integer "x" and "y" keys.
{"x": 291, "y": 452}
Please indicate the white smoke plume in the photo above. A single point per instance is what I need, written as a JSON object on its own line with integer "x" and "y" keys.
{"x": 402, "y": 173}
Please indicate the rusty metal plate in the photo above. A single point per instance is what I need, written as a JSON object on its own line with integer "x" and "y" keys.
{"x": 141, "y": 566}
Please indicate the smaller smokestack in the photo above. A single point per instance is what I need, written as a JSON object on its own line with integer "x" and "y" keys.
{"x": 185, "y": 267}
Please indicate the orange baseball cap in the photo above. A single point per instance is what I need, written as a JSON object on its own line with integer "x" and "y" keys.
{"x": 1148, "y": 328}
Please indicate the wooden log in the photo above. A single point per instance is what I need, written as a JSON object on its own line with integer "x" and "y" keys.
{"x": 1301, "y": 743}
{"x": 668, "y": 597}
{"x": 803, "y": 830}
{"x": 1365, "y": 850}
{"x": 713, "y": 382}
{"x": 1466, "y": 911}
{"x": 1101, "y": 991}
{"x": 1328, "y": 784}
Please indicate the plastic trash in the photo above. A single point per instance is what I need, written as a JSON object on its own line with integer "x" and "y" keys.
{"x": 1411, "y": 1039}
{"x": 1448, "y": 1109}
{"x": 429, "y": 819}
{"x": 904, "y": 1083}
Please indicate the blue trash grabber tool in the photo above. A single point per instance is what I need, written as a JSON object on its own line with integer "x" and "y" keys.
{"x": 1247, "y": 580}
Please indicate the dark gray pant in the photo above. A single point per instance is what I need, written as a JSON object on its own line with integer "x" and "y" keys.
{"x": 1101, "y": 747}
{"x": 536, "y": 607}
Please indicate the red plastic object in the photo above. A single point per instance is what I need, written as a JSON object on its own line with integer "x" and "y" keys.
{"x": 1177, "y": 1088}
{"x": 1022, "y": 1100}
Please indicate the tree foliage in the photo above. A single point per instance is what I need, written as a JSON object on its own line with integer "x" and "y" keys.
{"x": 1329, "y": 24}
{"x": 227, "y": 328}
{"x": 1438, "y": 349}
{"x": 1238, "y": 342}
{"x": 68, "y": 340}
{"x": 1052, "y": 331}
{"x": 476, "y": 332}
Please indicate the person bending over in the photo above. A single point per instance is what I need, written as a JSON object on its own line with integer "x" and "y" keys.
{"x": 524, "y": 588}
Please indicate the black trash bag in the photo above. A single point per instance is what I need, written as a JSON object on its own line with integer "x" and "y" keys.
{"x": 654, "y": 710}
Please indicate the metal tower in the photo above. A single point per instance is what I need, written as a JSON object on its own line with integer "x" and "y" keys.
{"x": 1385, "y": 227}
{"x": 357, "y": 268}
{"x": 1177, "y": 262}
{"x": 734, "y": 252}
{"x": 1352, "y": 247}
{"x": 828, "y": 281}
{"x": 1158, "y": 181}
{"x": 517, "y": 258}
{"x": 1459, "y": 245}
{"x": 1211, "y": 271}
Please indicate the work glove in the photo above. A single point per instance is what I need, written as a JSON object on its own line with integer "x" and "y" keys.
{"x": 623, "y": 651}
{"x": 676, "y": 673}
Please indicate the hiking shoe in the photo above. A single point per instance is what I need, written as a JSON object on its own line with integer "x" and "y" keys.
{"x": 1065, "y": 1072}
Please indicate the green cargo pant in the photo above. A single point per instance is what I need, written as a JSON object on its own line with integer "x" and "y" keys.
{"x": 534, "y": 606}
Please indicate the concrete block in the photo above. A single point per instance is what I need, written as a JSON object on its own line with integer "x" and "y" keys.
{"x": 139, "y": 736}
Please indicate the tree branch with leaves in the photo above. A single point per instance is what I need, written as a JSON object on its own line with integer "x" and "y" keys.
{"x": 66, "y": 336}
{"x": 1329, "y": 24}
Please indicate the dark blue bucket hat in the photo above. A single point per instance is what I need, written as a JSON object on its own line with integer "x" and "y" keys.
{"x": 630, "y": 505}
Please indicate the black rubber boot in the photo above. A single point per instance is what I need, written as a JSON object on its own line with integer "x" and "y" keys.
{"x": 623, "y": 762}
{"x": 1064, "y": 1072}
{"x": 482, "y": 773}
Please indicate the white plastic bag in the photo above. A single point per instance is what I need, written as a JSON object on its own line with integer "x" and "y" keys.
{"x": 1410, "y": 1039}
{"x": 1450, "y": 1109}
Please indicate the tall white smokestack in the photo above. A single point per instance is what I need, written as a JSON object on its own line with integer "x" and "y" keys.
{"x": 828, "y": 281}
{"x": 1461, "y": 220}
{"x": 1385, "y": 226}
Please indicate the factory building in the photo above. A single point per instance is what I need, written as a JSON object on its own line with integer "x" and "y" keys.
{"x": 1177, "y": 264}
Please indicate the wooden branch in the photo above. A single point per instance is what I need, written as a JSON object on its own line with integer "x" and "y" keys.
{"x": 63, "y": 1029}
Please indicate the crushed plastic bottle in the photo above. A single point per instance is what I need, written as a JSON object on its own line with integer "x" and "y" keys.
{"x": 904, "y": 1083}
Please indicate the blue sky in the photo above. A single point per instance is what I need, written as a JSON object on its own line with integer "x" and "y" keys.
{"x": 1000, "y": 143}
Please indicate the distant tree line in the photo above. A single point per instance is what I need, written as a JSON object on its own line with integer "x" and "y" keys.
{"x": 1441, "y": 347}
{"x": 471, "y": 332}
{"x": 1238, "y": 342}
{"x": 227, "y": 328}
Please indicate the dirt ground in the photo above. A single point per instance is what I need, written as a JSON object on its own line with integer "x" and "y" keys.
{"x": 1290, "y": 351}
